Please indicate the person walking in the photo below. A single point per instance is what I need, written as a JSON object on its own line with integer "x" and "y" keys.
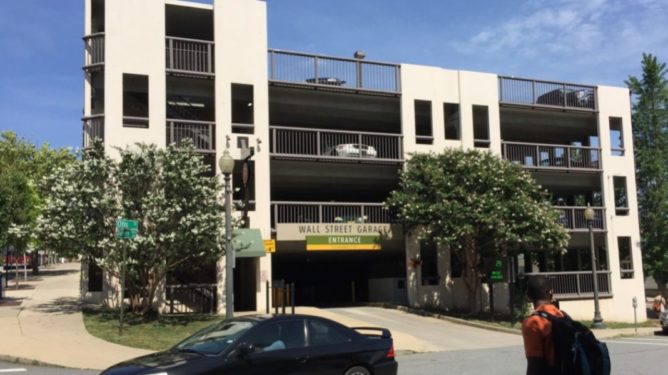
{"x": 659, "y": 304}
{"x": 537, "y": 331}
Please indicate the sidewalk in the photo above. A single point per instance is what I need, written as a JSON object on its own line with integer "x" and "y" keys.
{"x": 48, "y": 324}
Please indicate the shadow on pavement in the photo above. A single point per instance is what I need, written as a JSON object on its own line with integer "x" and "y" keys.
{"x": 63, "y": 305}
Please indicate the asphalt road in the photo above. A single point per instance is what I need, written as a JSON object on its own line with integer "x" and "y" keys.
{"x": 630, "y": 356}
{"x": 19, "y": 369}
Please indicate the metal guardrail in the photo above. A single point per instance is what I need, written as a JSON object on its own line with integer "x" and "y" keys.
{"x": 203, "y": 134}
{"x": 93, "y": 127}
{"x": 578, "y": 284}
{"x": 191, "y": 299}
{"x": 334, "y": 144}
{"x": 547, "y": 94}
{"x": 337, "y": 72}
{"x": 329, "y": 212}
{"x": 537, "y": 155}
{"x": 190, "y": 56}
{"x": 572, "y": 218}
{"x": 93, "y": 50}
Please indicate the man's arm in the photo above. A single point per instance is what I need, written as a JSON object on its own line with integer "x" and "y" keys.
{"x": 535, "y": 366}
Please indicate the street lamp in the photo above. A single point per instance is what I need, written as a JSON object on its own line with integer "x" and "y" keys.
{"x": 589, "y": 216}
{"x": 226, "y": 164}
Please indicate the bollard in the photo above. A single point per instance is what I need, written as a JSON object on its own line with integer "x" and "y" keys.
{"x": 292, "y": 297}
{"x": 635, "y": 314}
{"x": 274, "y": 293}
{"x": 285, "y": 295}
{"x": 267, "y": 293}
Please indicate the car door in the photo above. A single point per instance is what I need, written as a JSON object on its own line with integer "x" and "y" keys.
{"x": 331, "y": 348}
{"x": 276, "y": 348}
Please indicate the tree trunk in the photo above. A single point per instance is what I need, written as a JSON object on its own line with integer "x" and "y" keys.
{"x": 470, "y": 276}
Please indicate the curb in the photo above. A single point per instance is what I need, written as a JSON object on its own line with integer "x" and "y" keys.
{"x": 415, "y": 311}
{"x": 28, "y": 362}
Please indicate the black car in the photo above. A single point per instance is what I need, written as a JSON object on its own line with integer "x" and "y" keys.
{"x": 266, "y": 344}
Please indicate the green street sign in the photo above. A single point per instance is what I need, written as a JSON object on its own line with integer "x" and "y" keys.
{"x": 126, "y": 229}
{"x": 497, "y": 273}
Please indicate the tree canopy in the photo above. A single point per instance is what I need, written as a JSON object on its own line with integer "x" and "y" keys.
{"x": 478, "y": 206}
{"x": 164, "y": 189}
{"x": 650, "y": 141}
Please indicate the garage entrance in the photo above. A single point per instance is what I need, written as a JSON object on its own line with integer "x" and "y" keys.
{"x": 339, "y": 278}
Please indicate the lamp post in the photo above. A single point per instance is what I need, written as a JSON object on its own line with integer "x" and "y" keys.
{"x": 226, "y": 164}
{"x": 589, "y": 216}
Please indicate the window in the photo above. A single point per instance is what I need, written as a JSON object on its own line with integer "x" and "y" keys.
{"x": 616, "y": 140}
{"x": 242, "y": 109}
{"x": 429, "y": 265}
{"x": 423, "y": 131}
{"x": 95, "y": 277}
{"x": 625, "y": 257}
{"x": 621, "y": 199}
{"x": 456, "y": 267}
{"x": 277, "y": 336}
{"x": 451, "y": 116}
{"x": 321, "y": 333}
{"x": 480, "y": 126}
{"x": 135, "y": 101}
{"x": 239, "y": 193}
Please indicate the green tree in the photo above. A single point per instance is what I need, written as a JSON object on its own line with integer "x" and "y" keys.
{"x": 478, "y": 206}
{"x": 164, "y": 189}
{"x": 650, "y": 141}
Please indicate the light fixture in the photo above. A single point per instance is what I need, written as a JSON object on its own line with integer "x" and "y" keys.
{"x": 360, "y": 55}
{"x": 226, "y": 163}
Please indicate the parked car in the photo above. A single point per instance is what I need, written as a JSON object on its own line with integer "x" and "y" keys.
{"x": 272, "y": 344}
{"x": 663, "y": 319}
{"x": 332, "y": 81}
{"x": 354, "y": 150}
{"x": 580, "y": 98}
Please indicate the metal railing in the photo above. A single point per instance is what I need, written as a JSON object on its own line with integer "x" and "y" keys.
{"x": 578, "y": 284}
{"x": 93, "y": 127}
{"x": 93, "y": 50}
{"x": 203, "y": 134}
{"x": 538, "y": 155}
{"x": 335, "y": 144}
{"x": 191, "y": 299}
{"x": 572, "y": 218}
{"x": 547, "y": 94}
{"x": 317, "y": 70}
{"x": 329, "y": 212}
{"x": 191, "y": 56}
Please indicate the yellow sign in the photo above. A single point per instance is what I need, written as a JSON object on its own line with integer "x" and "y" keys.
{"x": 270, "y": 246}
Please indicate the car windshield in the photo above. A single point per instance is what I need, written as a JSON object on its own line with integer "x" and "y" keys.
{"x": 216, "y": 338}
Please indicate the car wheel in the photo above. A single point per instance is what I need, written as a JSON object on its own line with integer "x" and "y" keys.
{"x": 357, "y": 370}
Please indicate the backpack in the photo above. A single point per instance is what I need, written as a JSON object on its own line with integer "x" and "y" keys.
{"x": 576, "y": 349}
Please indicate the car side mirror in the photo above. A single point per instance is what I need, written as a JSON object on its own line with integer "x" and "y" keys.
{"x": 242, "y": 350}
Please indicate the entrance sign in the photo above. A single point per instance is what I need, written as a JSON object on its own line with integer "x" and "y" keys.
{"x": 324, "y": 243}
{"x": 299, "y": 232}
{"x": 126, "y": 229}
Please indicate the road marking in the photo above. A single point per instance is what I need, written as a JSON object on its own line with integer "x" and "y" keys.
{"x": 636, "y": 342}
{"x": 12, "y": 370}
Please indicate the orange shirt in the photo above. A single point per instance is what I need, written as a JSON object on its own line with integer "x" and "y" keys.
{"x": 537, "y": 334}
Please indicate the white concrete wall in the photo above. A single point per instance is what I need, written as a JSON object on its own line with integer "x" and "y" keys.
{"x": 240, "y": 28}
{"x": 134, "y": 44}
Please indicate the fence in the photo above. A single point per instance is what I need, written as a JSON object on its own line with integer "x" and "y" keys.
{"x": 93, "y": 127}
{"x": 334, "y": 144}
{"x": 579, "y": 284}
{"x": 573, "y": 218}
{"x": 547, "y": 94}
{"x": 537, "y": 155}
{"x": 302, "y": 68}
{"x": 190, "y": 56}
{"x": 93, "y": 50}
{"x": 203, "y": 134}
{"x": 323, "y": 212}
{"x": 191, "y": 299}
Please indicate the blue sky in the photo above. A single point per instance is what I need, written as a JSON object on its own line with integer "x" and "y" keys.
{"x": 591, "y": 41}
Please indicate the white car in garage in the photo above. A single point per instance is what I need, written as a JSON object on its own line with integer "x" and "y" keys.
{"x": 355, "y": 150}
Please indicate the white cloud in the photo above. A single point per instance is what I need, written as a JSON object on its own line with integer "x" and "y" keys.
{"x": 574, "y": 34}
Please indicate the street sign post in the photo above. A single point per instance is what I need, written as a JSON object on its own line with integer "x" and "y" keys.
{"x": 125, "y": 229}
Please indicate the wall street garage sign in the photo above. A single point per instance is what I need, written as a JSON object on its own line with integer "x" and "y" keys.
{"x": 337, "y": 242}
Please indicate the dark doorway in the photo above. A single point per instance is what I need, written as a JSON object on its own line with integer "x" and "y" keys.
{"x": 245, "y": 284}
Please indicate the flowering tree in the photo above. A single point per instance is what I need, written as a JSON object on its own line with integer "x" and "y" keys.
{"x": 166, "y": 190}
{"x": 477, "y": 205}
